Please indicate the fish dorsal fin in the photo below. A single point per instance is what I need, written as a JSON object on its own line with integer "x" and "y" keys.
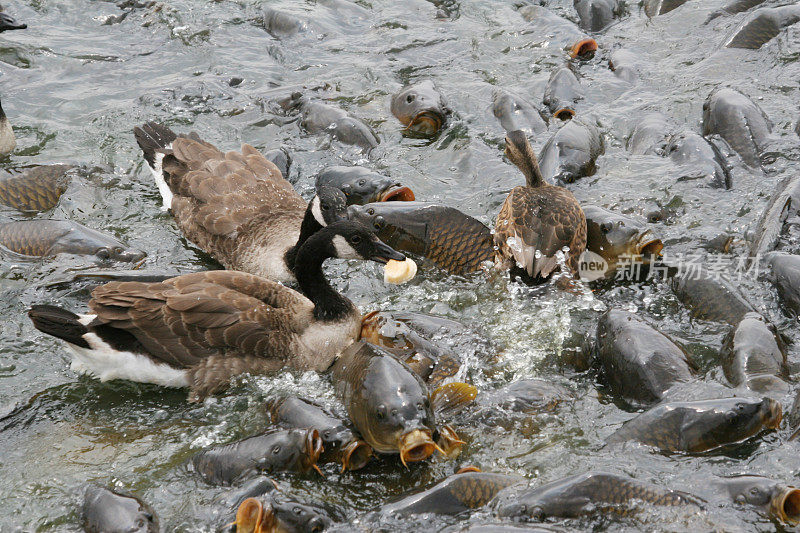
{"x": 453, "y": 396}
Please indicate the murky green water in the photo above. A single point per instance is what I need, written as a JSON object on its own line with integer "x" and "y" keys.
{"x": 78, "y": 79}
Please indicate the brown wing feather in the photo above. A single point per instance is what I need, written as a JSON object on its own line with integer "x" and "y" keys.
{"x": 218, "y": 196}
{"x": 543, "y": 220}
{"x": 187, "y": 319}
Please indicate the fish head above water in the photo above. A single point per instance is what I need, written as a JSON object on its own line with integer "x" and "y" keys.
{"x": 362, "y": 186}
{"x": 732, "y": 420}
{"x": 420, "y": 108}
{"x": 613, "y": 235}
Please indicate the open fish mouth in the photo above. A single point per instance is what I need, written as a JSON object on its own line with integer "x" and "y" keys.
{"x": 649, "y": 245}
{"x": 313, "y": 450}
{"x": 427, "y": 122}
{"x": 253, "y": 517}
{"x": 785, "y": 506}
{"x": 397, "y": 193}
{"x": 585, "y": 48}
{"x": 416, "y": 445}
{"x": 356, "y": 455}
{"x": 774, "y": 415}
{"x": 564, "y": 113}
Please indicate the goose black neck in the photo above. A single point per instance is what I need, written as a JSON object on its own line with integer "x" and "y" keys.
{"x": 308, "y": 227}
{"x": 328, "y": 304}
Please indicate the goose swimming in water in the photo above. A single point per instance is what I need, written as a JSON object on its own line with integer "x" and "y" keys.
{"x": 199, "y": 330}
{"x": 236, "y": 206}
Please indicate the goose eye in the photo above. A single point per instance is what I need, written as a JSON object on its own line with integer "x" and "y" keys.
{"x": 410, "y": 98}
{"x": 355, "y": 239}
{"x": 325, "y": 207}
{"x": 103, "y": 253}
{"x": 276, "y": 449}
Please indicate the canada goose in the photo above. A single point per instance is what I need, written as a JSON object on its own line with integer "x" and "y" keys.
{"x": 199, "y": 330}
{"x": 537, "y": 220}
{"x": 236, "y": 206}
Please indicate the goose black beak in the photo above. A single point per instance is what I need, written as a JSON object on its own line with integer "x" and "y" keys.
{"x": 8, "y": 22}
{"x": 383, "y": 252}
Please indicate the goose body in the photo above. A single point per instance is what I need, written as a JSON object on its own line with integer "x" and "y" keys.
{"x": 7, "y": 139}
{"x": 199, "y": 330}
{"x": 236, "y": 206}
{"x": 537, "y": 220}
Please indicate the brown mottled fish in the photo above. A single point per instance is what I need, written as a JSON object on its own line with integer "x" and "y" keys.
{"x": 37, "y": 189}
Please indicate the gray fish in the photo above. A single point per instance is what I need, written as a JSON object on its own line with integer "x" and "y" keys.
{"x": 280, "y": 24}
{"x": 555, "y": 30}
{"x": 697, "y": 155}
{"x": 408, "y": 337}
{"x": 273, "y": 451}
{"x": 589, "y": 493}
{"x": 278, "y": 512}
{"x": 421, "y": 108}
{"x": 625, "y": 64}
{"x": 710, "y": 297}
{"x": 525, "y": 396}
{"x": 763, "y": 25}
{"x": 734, "y": 7}
{"x": 281, "y": 158}
{"x": 780, "y": 501}
{"x": 317, "y": 117}
{"x": 784, "y": 205}
{"x": 738, "y": 120}
{"x": 46, "y": 238}
{"x": 649, "y": 136}
{"x": 36, "y": 189}
{"x": 515, "y": 113}
{"x": 341, "y": 444}
{"x": 562, "y": 93}
{"x": 596, "y": 15}
{"x": 614, "y": 237}
{"x": 753, "y": 356}
{"x": 786, "y": 278}
{"x": 108, "y": 511}
{"x": 362, "y": 186}
{"x": 571, "y": 152}
{"x": 452, "y": 496}
{"x": 654, "y": 8}
{"x": 454, "y": 241}
{"x": 700, "y": 426}
{"x": 639, "y": 363}
{"x": 387, "y": 402}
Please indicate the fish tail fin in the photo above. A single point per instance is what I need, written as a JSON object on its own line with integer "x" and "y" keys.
{"x": 152, "y": 137}
{"x": 453, "y": 396}
{"x": 59, "y": 323}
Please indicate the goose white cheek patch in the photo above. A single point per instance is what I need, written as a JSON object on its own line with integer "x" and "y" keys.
{"x": 397, "y": 272}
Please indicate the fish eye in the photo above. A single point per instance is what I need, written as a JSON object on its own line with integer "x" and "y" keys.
{"x": 326, "y": 435}
{"x": 394, "y": 412}
{"x": 118, "y": 250}
{"x": 370, "y": 211}
{"x": 410, "y": 98}
{"x": 317, "y": 528}
{"x": 276, "y": 449}
{"x": 379, "y": 414}
{"x": 362, "y": 182}
{"x": 298, "y": 511}
{"x": 605, "y": 227}
{"x": 355, "y": 239}
{"x": 103, "y": 253}
{"x": 420, "y": 406}
{"x": 140, "y": 523}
